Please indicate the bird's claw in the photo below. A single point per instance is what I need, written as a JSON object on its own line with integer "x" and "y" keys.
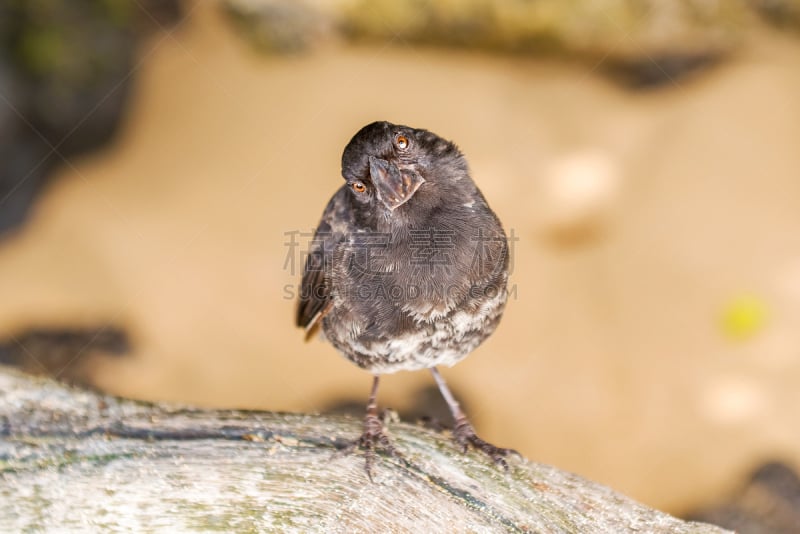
{"x": 371, "y": 441}
{"x": 464, "y": 434}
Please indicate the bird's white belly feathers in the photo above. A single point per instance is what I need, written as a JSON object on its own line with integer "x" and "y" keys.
{"x": 441, "y": 341}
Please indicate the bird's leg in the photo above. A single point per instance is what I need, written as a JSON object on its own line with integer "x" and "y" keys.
{"x": 463, "y": 432}
{"x": 373, "y": 436}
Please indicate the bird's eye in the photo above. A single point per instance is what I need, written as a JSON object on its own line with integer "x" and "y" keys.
{"x": 401, "y": 141}
{"x": 358, "y": 187}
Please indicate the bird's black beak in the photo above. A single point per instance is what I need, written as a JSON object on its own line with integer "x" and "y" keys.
{"x": 394, "y": 186}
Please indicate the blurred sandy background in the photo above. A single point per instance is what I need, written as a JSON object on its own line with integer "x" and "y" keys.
{"x": 653, "y": 341}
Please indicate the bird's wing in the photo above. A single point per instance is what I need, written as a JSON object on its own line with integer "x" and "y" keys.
{"x": 315, "y": 291}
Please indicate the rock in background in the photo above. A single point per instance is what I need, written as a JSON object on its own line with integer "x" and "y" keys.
{"x": 66, "y": 73}
{"x": 65, "y": 354}
{"x": 640, "y": 43}
{"x": 781, "y": 13}
{"x": 768, "y": 503}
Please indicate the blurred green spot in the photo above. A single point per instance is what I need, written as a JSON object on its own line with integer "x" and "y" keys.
{"x": 40, "y": 50}
{"x": 118, "y": 12}
{"x": 743, "y": 317}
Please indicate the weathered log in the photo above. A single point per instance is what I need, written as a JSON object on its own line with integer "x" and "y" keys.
{"x": 71, "y": 459}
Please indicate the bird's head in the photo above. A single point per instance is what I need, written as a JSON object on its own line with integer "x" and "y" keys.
{"x": 390, "y": 166}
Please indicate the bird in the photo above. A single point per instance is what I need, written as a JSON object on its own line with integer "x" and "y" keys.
{"x": 407, "y": 270}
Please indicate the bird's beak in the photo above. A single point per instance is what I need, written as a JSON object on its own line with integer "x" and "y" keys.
{"x": 394, "y": 186}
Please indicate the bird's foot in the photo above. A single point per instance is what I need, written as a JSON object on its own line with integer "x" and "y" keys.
{"x": 464, "y": 434}
{"x": 372, "y": 440}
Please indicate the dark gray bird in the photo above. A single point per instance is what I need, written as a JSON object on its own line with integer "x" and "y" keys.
{"x": 408, "y": 268}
